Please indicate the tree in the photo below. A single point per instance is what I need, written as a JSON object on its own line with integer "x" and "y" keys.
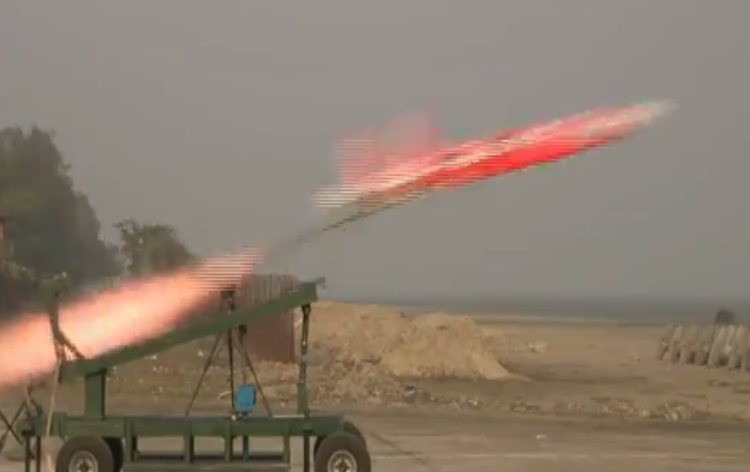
{"x": 53, "y": 227}
{"x": 149, "y": 248}
{"x": 18, "y": 284}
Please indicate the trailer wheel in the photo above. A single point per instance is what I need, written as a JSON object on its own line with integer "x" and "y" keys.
{"x": 349, "y": 427}
{"x": 342, "y": 452}
{"x": 85, "y": 454}
{"x": 118, "y": 451}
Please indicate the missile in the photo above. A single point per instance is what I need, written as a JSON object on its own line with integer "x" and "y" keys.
{"x": 477, "y": 160}
{"x": 543, "y": 144}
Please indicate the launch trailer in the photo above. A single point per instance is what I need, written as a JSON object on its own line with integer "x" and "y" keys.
{"x": 96, "y": 441}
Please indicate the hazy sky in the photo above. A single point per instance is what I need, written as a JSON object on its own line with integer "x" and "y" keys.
{"x": 219, "y": 117}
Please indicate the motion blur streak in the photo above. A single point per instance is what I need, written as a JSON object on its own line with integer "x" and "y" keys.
{"x": 135, "y": 312}
{"x": 398, "y": 144}
{"x": 407, "y": 177}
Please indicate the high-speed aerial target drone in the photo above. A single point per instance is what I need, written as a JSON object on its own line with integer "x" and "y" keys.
{"x": 374, "y": 180}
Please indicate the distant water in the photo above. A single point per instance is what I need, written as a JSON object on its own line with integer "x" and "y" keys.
{"x": 629, "y": 309}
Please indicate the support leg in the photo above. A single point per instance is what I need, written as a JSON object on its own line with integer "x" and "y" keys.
{"x": 230, "y": 352}
{"x": 249, "y": 364}
{"x": 38, "y": 454}
{"x": 246, "y": 448}
{"x": 306, "y": 452}
{"x": 9, "y": 426}
{"x": 27, "y": 453}
{"x": 206, "y": 366}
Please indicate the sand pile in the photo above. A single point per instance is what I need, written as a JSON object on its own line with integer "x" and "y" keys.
{"x": 427, "y": 346}
{"x": 439, "y": 345}
{"x": 354, "y": 333}
{"x": 369, "y": 353}
{"x": 359, "y": 354}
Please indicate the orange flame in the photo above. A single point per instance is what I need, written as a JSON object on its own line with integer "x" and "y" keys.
{"x": 135, "y": 312}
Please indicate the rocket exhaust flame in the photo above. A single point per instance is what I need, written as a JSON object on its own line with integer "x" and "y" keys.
{"x": 137, "y": 311}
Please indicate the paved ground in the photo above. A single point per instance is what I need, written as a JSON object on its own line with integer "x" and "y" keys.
{"x": 524, "y": 443}
{"x": 517, "y": 444}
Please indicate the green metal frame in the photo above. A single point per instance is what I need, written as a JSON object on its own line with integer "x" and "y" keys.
{"x": 95, "y": 422}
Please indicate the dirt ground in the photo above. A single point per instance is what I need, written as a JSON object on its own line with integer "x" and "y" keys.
{"x": 608, "y": 368}
{"x": 565, "y": 393}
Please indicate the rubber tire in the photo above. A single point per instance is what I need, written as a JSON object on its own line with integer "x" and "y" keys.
{"x": 739, "y": 344}
{"x": 675, "y": 344}
{"x": 97, "y": 447}
{"x": 663, "y": 344}
{"x": 349, "y": 427}
{"x": 726, "y": 350}
{"x": 342, "y": 441}
{"x": 745, "y": 363}
{"x": 118, "y": 451}
{"x": 714, "y": 354}
{"x": 689, "y": 342}
{"x": 704, "y": 345}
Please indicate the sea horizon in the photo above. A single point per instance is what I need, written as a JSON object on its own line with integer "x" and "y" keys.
{"x": 636, "y": 309}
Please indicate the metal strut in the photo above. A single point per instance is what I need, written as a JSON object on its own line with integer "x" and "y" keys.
{"x": 53, "y": 291}
{"x": 228, "y": 305}
{"x": 29, "y": 407}
{"x": 61, "y": 340}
